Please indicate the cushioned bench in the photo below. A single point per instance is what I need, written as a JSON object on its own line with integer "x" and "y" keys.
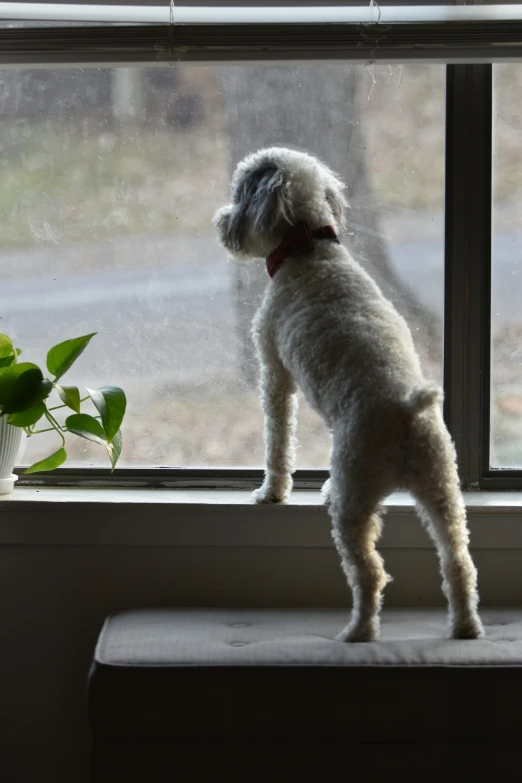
{"x": 261, "y": 695}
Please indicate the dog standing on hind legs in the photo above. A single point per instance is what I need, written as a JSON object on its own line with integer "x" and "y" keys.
{"x": 324, "y": 326}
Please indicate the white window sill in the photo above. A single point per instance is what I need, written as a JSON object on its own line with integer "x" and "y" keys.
{"x": 225, "y": 518}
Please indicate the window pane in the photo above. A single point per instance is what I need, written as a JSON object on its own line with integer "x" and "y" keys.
{"x": 109, "y": 179}
{"x": 506, "y": 274}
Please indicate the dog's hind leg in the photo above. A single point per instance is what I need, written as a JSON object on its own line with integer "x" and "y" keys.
{"x": 356, "y": 528}
{"x": 279, "y": 402}
{"x": 434, "y": 483}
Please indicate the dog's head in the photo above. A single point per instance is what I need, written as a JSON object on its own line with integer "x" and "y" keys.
{"x": 272, "y": 190}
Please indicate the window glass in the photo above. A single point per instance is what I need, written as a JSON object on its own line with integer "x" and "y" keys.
{"x": 506, "y": 276}
{"x": 108, "y": 182}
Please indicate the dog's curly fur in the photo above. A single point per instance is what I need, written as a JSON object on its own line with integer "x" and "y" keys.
{"x": 325, "y": 326}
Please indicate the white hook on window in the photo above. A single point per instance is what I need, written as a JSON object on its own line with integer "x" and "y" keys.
{"x": 375, "y": 4}
{"x": 171, "y": 31}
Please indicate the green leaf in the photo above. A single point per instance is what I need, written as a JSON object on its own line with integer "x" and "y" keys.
{"x": 86, "y": 427}
{"x": 111, "y": 404}
{"x": 7, "y": 361}
{"x": 62, "y": 356}
{"x": 114, "y": 448}
{"x": 70, "y": 395}
{"x": 6, "y": 343}
{"x": 7, "y": 352}
{"x": 49, "y": 463}
{"x": 46, "y": 388}
{"x": 21, "y": 387}
{"x": 28, "y": 417}
{"x": 18, "y": 351}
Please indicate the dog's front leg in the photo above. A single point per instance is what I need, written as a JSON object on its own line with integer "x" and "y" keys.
{"x": 279, "y": 402}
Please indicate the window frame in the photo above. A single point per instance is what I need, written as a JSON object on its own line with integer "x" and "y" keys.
{"x": 467, "y": 328}
{"x": 467, "y": 265}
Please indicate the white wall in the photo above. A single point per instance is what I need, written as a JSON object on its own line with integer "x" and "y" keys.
{"x": 65, "y": 565}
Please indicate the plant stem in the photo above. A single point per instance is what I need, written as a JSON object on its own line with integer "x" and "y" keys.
{"x": 55, "y": 426}
{"x": 53, "y": 421}
{"x": 55, "y": 408}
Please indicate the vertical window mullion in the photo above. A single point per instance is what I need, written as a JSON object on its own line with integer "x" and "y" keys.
{"x": 468, "y": 266}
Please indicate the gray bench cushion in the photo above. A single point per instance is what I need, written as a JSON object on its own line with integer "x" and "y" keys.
{"x": 173, "y": 674}
{"x": 235, "y": 637}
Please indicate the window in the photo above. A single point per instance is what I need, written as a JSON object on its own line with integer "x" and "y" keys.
{"x": 111, "y": 173}
{"x": 506, "y": 283}
{"x": 110, "y": 180}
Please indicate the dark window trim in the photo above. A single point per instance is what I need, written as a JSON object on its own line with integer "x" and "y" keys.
{"x": 75, "y": 44}
{"x": 468, "y": 266}
{"x": 181, "y": 478}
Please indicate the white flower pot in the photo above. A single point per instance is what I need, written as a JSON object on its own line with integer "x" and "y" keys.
{"x": 12, "y": 446}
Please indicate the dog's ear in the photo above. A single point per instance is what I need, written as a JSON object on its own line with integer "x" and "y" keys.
{"x": 270, "y": 204}
{"x": 262, "y": 200}
{"x": 230, "y": 224}
{"x": 336, "y": 200}
{"x": 221, "y": 222}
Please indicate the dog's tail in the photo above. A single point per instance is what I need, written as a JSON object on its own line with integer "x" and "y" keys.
{"x": 423, "y": 397}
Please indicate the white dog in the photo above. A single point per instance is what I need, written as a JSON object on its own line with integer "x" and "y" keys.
{"x": 325, "y": 326}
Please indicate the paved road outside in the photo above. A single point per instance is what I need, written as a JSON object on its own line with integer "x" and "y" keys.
{"x": 176, "y": 312}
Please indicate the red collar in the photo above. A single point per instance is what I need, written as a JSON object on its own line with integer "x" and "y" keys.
{"x": 298, "y": 240}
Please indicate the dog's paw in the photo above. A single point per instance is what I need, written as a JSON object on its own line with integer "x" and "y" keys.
{"x": 367, "y": 632}
{"x": 468, "y": 628}
{"x": 261, "y": 496}
{"x": 276, "y": 488}
{"x": 269, "y": 495}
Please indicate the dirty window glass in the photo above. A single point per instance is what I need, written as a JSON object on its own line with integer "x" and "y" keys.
{"x": 108, "y": 182}
{"x": 506, "y": 270}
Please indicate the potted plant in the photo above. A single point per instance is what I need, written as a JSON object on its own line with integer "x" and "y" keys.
{"x": 24, "y": 395}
